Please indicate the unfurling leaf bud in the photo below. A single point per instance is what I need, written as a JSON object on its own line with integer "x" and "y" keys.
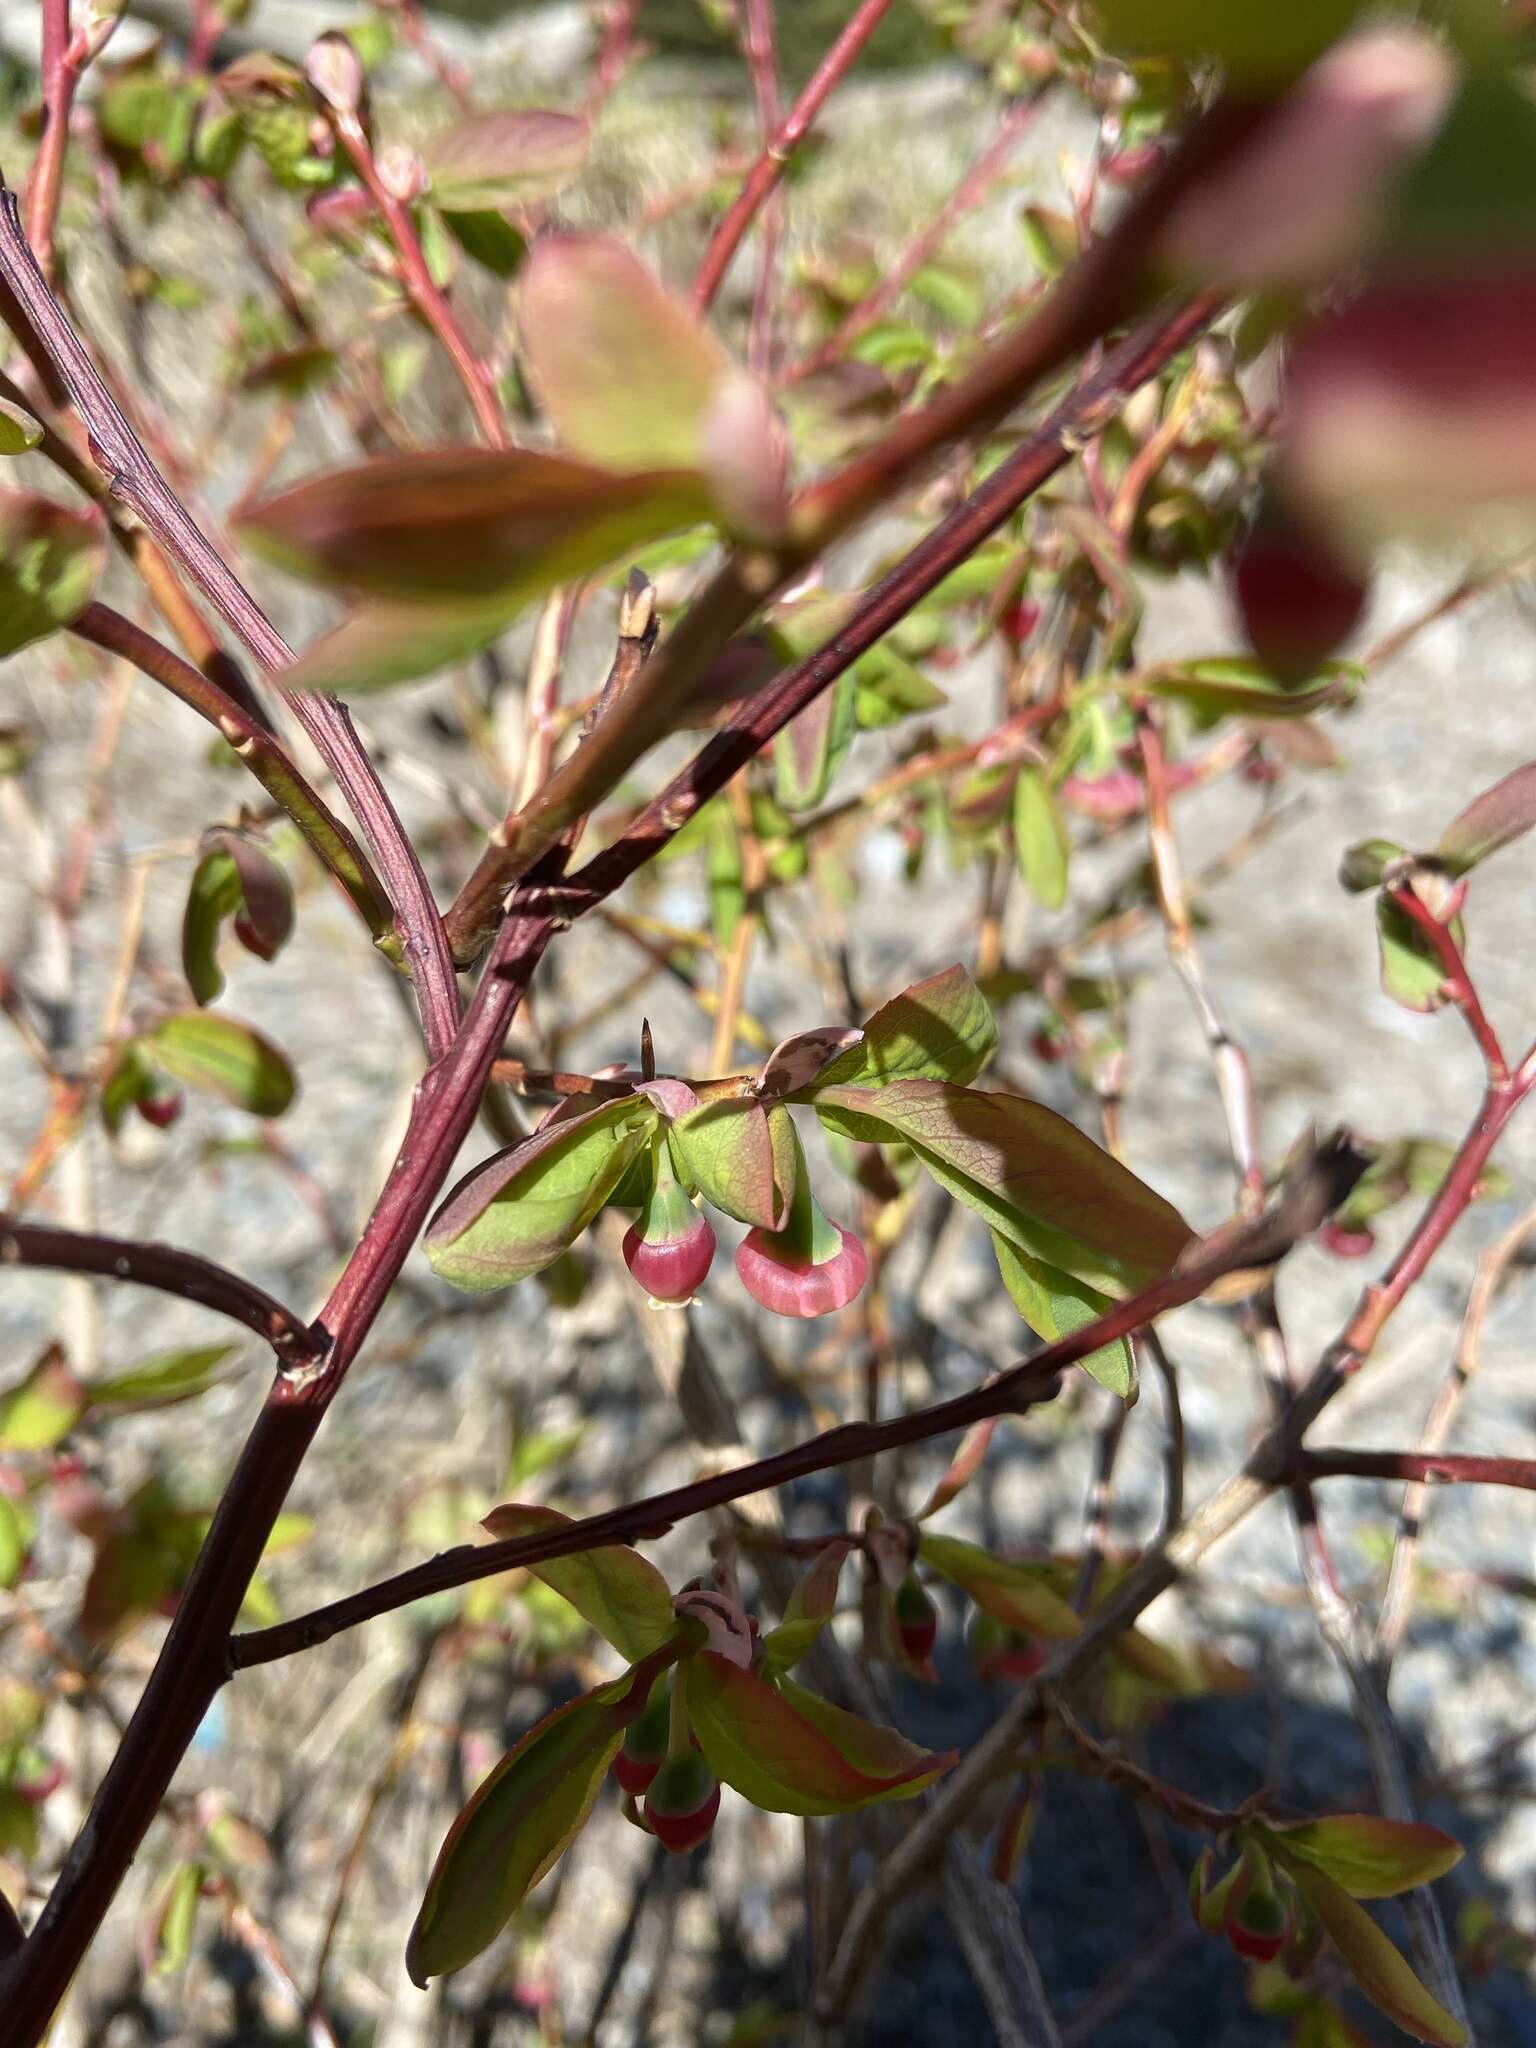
{"x": 1258, "y": 1918}
{"x": 917, "y": 1620}
{"x": 335, "y": 71}
{"x": 402, "y": 173}
{"x": 1212, "y": 1901}
{"x": 645, "y": 1746}
{"x": 682, "y": 1802}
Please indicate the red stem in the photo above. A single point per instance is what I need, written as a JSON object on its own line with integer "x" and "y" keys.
{"x": 771, "y": 165}
{"x": 1462, "y": 988}
{"x": 1431, "y": 1467}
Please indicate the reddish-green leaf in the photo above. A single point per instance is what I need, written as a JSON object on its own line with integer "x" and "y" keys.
{"x": 522, "y": 1208}
{"x": 616, "y": 1590}
{"x": 764, "y": 1742}
{"x": 378, "y": 646}
{"x": 167, "y": 1947}
{"x": 725, "y": 1149}
{"x": 632, "y": 379}
{"x": 1019, "y": 1595}
{"x": 1040, "y": 839}
{"x": 1033, "y": 1176}
{"x": 1372, "y": 1858}
{"x": 1054, "y": 1304}
{"x": 1375, "y": 1964}
{"x": 42, "y": 1407}
{"x": 1499, "y": 815}
{"x": 505, "y": 158}
{"x": 51, "y": 559}
{"x": 1230, "y": 685}
{"x": 491, "y": 527}
{"x": 809, "y": 1608}
{"x": 1412, "y": 972}
{"x": 808, "y": 752}
{"x": 236, "y": 877}
{"x": 220, "y": 1056}
{"x": 963, "y": 1467}
{"x": 163, "y": 1380}
{"x": 939, "y": 1029}
{"x": 519, "y": 1823}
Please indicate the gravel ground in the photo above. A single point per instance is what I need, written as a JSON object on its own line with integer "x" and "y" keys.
{"x": 662, "y": 1953}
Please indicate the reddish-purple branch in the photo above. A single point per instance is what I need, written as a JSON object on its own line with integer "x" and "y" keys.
{"x": 1458, "y": 981}
{"x": 771, "y": 165}
{"x": 1432, "y": 1468}
{"x": 159, "y": 1266}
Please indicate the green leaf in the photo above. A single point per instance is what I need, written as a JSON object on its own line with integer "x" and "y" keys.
{"x": 613, "y": 1588}
{"x": 505, "y": 158}
{"x": 18, "y": 430}
{"x": 51, "y": 559}
{"x": 1040, "y": 839}
{"x": 487, "y": 238}
{"x": 1471, "y": 195}
{"x": 15, "y": 1539}
{"x": 762, "y": 1741}
{"x": 1055, "y": 1305}
{"x": 631, "y": 378}
{"x": 221, "y": 1056}
{"x": 1230, "y": 685}
{"x": 42, "y": 1408}
{"x": 1372, "y": 1858}
{"x": 1051, "y": 238}
{"x": 888, "y": 688}
{"x": 1376, "y": 1966}
{"x": 488, "y": 527}
{"x": 1259, "y": 44}
{"x": 519, "y": 1210}
{"x": 939, "y": 1029}
{"x": 1019, "y": 1595}
{"x": 723, "y": 874}
{"x": 1033, "y": 1176}
{"x": 808, "y": 752}
{"x": 378, "y": 646}
{"x": 725, "y": 1149}
{"x": 213, "y": 896}
{"x": 1411, "y": 969}
{"x": 1498, "y": 816}
{"x": 520, "y": 1822}
{"x": 175, "y": 1920}
{"x": 163, "y": 1380}
{"x": 808, "y": 1610}
{"x": 236, "y": 877}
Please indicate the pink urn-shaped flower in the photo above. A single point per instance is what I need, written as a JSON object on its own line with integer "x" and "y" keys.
{"x": 808, "y": 1268}
{"x": 670, "y": 1249}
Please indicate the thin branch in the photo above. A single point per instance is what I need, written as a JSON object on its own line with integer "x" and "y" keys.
{"x": 256, "y": 746}
{"x": 1421, "y": 1468}
{"x": 771, "y": 165}
{"x": 160, "y": 1266}
{"x": 1459, "y": 984}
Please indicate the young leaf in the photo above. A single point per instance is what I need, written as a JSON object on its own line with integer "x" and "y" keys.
{"x": 613, "y": 1588}
{"x": 889, "y": 688}
{"x": 1263, "y": 44}
{"x": 51, "y": 559}
{"x": 725, "y": 1149}
{"x": 810, "y": 1607}
{"x": 630, "y": 378}
{"x": 808, "y": 752}
{"x": 43, "y": 1407}
{"x": 962, "y": 1468}
{"x": 18, "y": 430}
{"x": 223, "y": 1057}
{"x": 760, "y": 1740}
{"x": 1054, "y": 1304}
{"x": 380, "y": 645}
{"x": 1033, "y": 1176}
{"x": 518, "y": 1211}
{"x": 236, "y": 877}
{"x": 1019, "y": 1595}
{"x": 1411, "y": 969}
{"x": 1040, "y": 839}
{"x": 1495, "y": 818}
{"x": 939, "y": 1029}
{"x": 477, "y": 525}
{"x": 487, "y": 238}
{"x": 1230, "y": 685}
{"x": 15, "y": 1540}
{"x": 506, "y": 158}
{"x": 169, "y": 1944}
{"x": 1370, "y": 1857}
{"x": 1375, "y": 1964}
{"x": 163, "y": 1380}
{"x": 520, "y": 1822}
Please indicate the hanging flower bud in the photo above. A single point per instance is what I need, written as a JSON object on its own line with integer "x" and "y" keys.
{"x": 682, "y": 1802}
{"x": 917, "y": 1620}
{"x": 162, "y": 1108}
{"x": 1000, "y": 1652}
{"x": 1212, "y": 1900}
{"x": 1256, "y": 1919}
{"x": 645, "y": 1746}
{"x": 1347, "y": 1243}
{"x": 672, "y": 1246}
{"x": 1297, "y": 601}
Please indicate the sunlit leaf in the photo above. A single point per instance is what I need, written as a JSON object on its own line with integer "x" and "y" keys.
{"x": 51, "y": 559}
{"x": 1412, "y": 972}
{"x": 504, "y": 158}
{"x": 1033, "y": 1176}
{"x": 1054, "y": 1304}
{"x": 163, "y": 1380}
{"x": 808, "y": 752}
{"x": 1228, "y": 686}
{"x": 725, "y": 1149}
{"x": 220, "y": 1056}
{"x": 520, "y": 1210}
{"x": 1375, "y": 1964}
{"x": 1495, "y": 818}
{"x": 380, "y": 645}
{"x": 479, "y": 525}
{"x": 808, "y": 1610}
{"x": 616, "y": 1590}
{"x": 763, "y": 1741}
{"x": 18, "y": 430}
{"x": 1371, "y": 1857}
{"x": 236, "y": 877}
{"x": 42, "y": 1407}
{"x": 1040, "y": 839}
{"x": 1019, "y": 1595}
{"x": 939, "y": 1029}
